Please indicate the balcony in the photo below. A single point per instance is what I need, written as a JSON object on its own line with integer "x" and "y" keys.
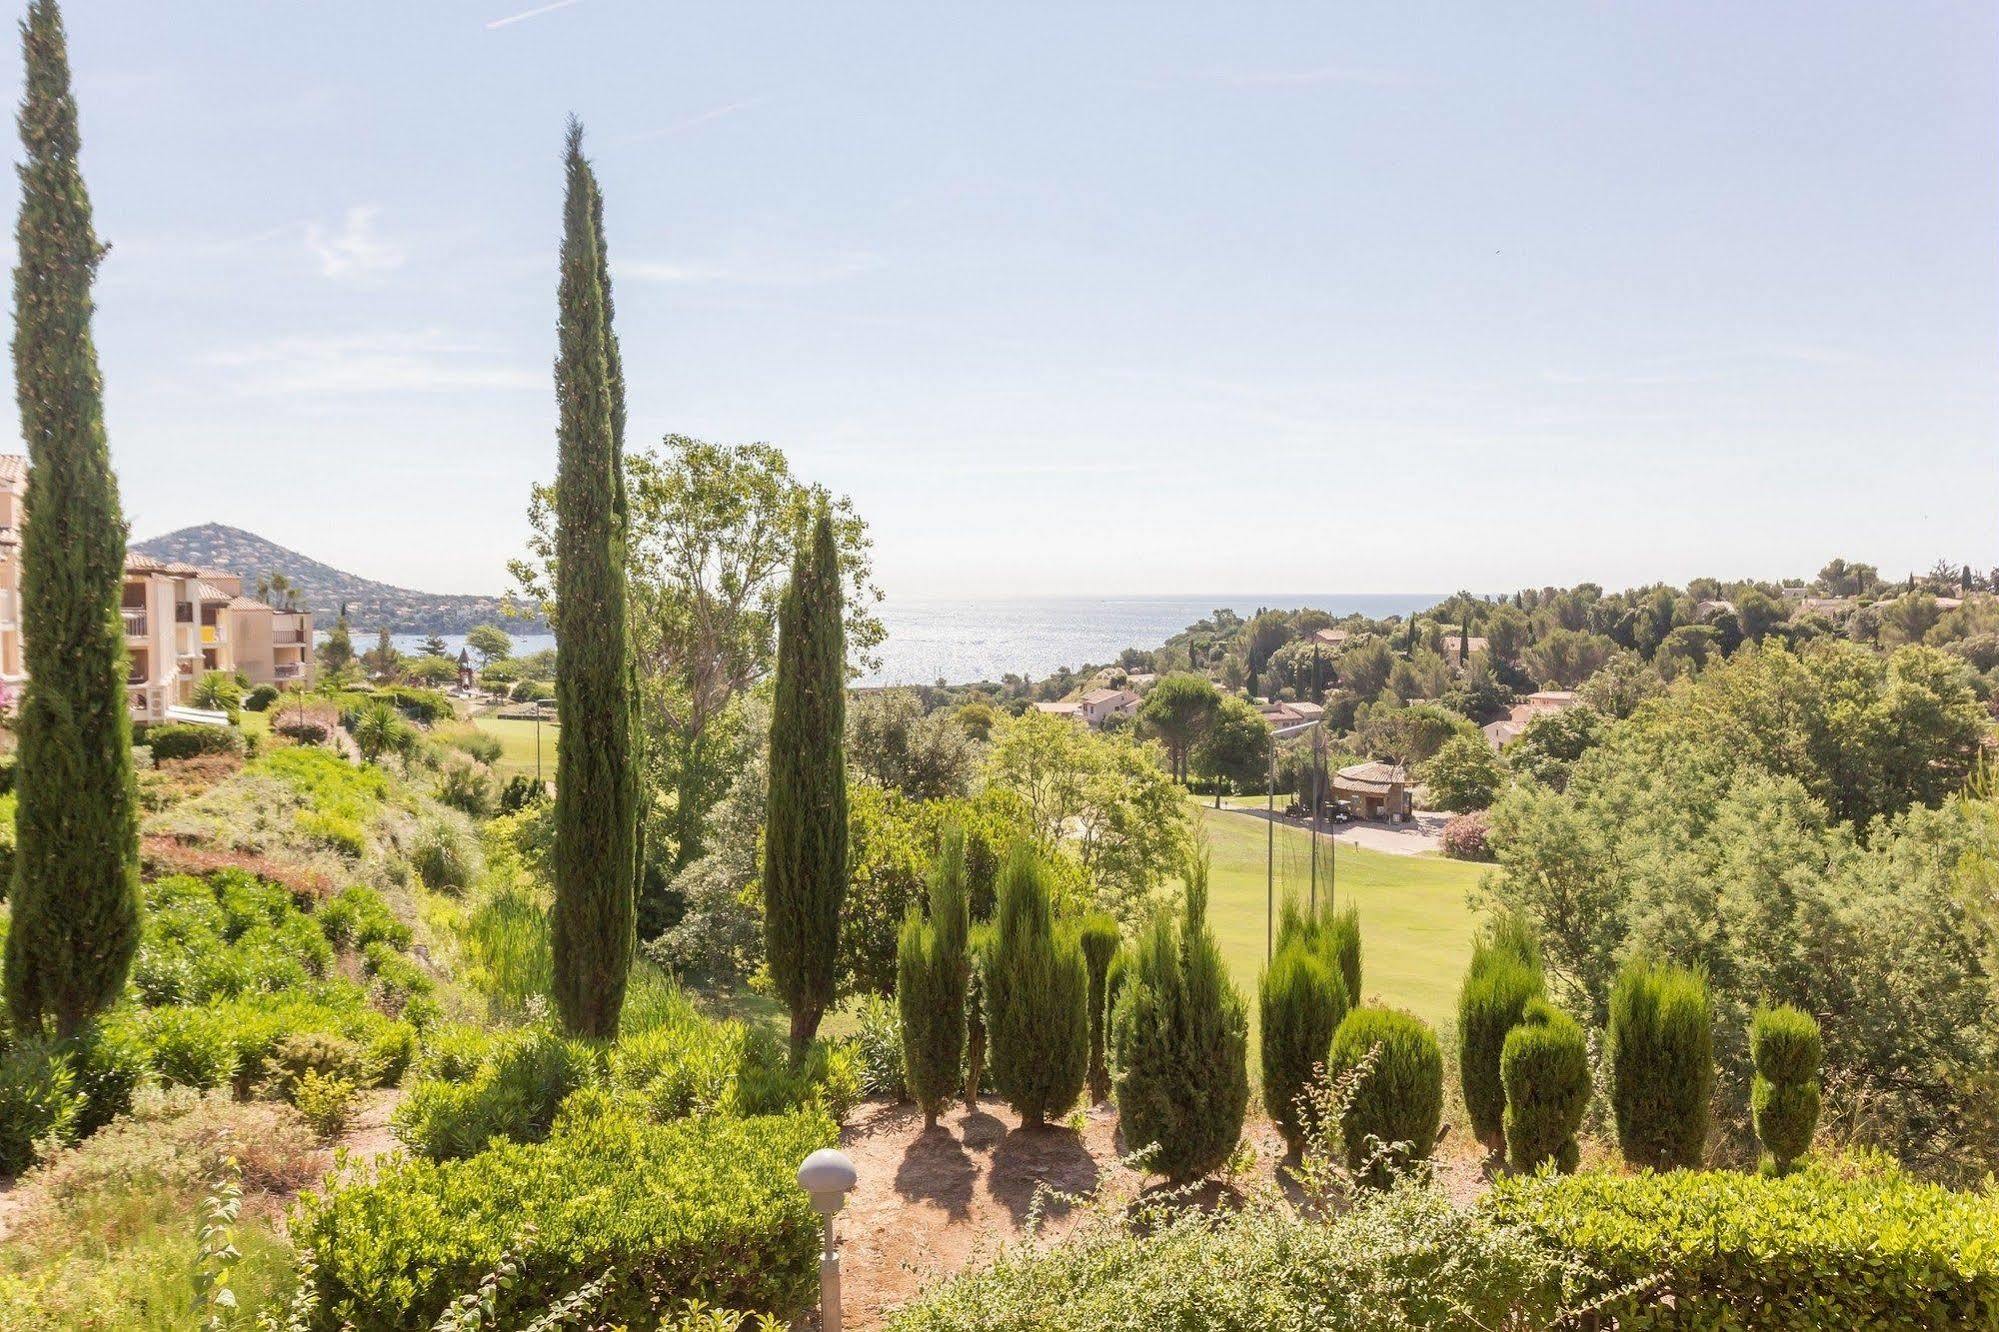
{"x": 135, "y": 621}
{"x": 288, "y": 670}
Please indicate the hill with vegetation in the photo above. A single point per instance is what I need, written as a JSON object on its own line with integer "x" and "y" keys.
{"x": 324, "y": 589}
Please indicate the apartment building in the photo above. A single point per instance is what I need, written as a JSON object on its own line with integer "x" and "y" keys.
{"x": 179, "y": 621}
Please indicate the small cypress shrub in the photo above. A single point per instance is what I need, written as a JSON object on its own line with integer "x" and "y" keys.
{"x": 1784, "y": 1096}
{"x": 930, "y": 985}
{"x": 1037, "y": 997}
{"x": 979, "y": 953}
{"x": 1302, "y": 1004}
{"x": 1661, "y": 1053}
{"x": 1395, "y": 1112}
{"x": 1505, "y": 973}
{"x": 1182, "y": 1039}
{"x": 1545, "y": 1069}
{"x": 1339, "y": 935}
{"x": 1098, "y": 935}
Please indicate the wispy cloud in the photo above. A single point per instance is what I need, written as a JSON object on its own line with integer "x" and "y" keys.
{"x": 1306, "y": 76}
{"x": 694, "y": 121}
{"x": 356, "y": 250}
{"x": 419, "y": 362}
{"x": 527, "y": 14}
{"x": 753, "y": 271}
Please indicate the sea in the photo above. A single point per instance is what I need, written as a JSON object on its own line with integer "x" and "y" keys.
{"x": 960, "y": 639}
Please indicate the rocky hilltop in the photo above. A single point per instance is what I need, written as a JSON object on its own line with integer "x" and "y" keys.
{"x": 323, "y": 588}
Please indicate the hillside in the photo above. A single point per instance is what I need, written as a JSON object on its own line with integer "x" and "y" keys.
{"x": 370, "y": 605}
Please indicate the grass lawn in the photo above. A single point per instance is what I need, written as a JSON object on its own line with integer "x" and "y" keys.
{"x": 1415, "y": 923}
{"x": 517, "y": 744}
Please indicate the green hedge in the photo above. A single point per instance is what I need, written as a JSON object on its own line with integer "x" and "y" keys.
{"x": 177, "y": 741}
{"x": 1810, "y": 1251}
{"x": 705, "y": 1208}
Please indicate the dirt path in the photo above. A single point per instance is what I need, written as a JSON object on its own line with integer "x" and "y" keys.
{"x": 367, "y": 1136}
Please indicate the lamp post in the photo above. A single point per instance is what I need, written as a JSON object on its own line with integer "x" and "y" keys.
{"x": 829, "y": 1177}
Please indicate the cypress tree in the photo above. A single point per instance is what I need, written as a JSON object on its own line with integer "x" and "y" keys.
{"x": 1660, "y": 1048}
{"x": 76, "y": 886}
{"x": 1303, "y": 1003}
{"x": 805, "y": 839}
{"x": 596, "y": 814}
{"x": 930, "y": 982}
{"x": 979, "y": 954}
{"x": 1545, "y": 1068}
{"x": 1098, "y": 935}
{"x": 1037, "y": 997}
{"x": 1784, "y": 1095}
{"x": 1182, "y": 1041}
{"x": 1504, "y": 975}
{"x": 1393, "y": 1118}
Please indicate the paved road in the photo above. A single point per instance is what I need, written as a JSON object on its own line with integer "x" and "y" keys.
{"x": 1426, "y": 833}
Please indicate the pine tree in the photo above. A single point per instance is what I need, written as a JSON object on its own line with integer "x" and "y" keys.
{"x": 805, "y": 839}
{"x": 931, "y": 973}
{"x": 1182, "y": 1039}
{"x": 1037, "y": 997}
{"x": 76, "y": 870}
{"x": 596, "y": 808}
{"x": 336, "y": 654}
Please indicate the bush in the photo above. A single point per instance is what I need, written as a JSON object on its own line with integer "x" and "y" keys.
{"x": 444, "y": 857}
{"x": 260, "y": 698}
{"x": 930, "y": 984}
{"x": 189, "y": 1047}
{"x": 1395, "y": 1112}
{"x": 705, "y": 1208}
{"x": 1398, "y": 1261}
{"x": 298, "y": 1055}
{"x": 1545, "y": 1069}
{"x": 359, "y": 917}
{"x": 1182, "y": 1040}
{"x": 109, "y": 1061}
{"x": 39, "y": 1102}
{"x": 176, "y": 740}
{"x": 1661, "y": 1057}
{"x": 1098, "y": 936}
{"x": 1504, "y": 974}
{"x": 323, "y": 1101}
{"x": 1303, "y": 1003}
{"x": 880, "y": 1050}
{"x": 468, "y": 786}
{"x": 521, "y": 791}
{"x": 421, "y": 705}
{"x": 513, "y": 1096}
{"x": 1037, "y": 997}
{"x": 1334, "y": 935}
{"x": 1812, "y": 1250}
{"x": 1784, "y": 1096}
{"x": 1469, "y": 836}
{"x": 302, "y": 732}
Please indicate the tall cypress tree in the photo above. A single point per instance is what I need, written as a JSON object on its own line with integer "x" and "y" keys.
{"x": 76, "y": 886}
{"x": 805, "y": 839}
{"x": 595, "y": 791}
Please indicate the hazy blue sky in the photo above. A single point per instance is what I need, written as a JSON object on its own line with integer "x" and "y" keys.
{"x": 1087, "y": 297}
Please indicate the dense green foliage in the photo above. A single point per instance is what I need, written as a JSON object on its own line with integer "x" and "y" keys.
{"x": 1036, "y": 992}
{"x": 1660, "y": 1048}
{"x": 176, "y": 741}
{"x": 1181, "y": 1037}
{"x": 805, "y": 838}
{"x": 930, "y": 985}
{"x": 1544, "y": 1067}
{"x": 1404, "y": 1260}
{"x": 1505, "y": 973}
{"x": 1303, "y": 1001}
{"x": 1813, "y": 1250}
{"x": 75, "y": 892}
{"x": 595, "y": 862}
{"x": 704, "y": 1207}
{"x": 1393, "y": 1117}
{"x": 1100, "y": 938}
{"x": 512, "y": 1095}
{"x": 1784, "y": 1098}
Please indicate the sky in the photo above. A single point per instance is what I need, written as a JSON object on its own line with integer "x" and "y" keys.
{"x": 1090, "y": 298}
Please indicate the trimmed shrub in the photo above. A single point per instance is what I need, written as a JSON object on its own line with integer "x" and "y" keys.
{"x": 1545, "y": 1069}
{"x": 1182, "y": 1040}
{"x": 1784, "y": 1095}
{"x": 189, "y": 1047}
{"x": 1393, "y": 1118}
{"x": 704, "y": 1208}
{"x": 930, "y": 985}
{"x": 1037, "y": 993}
{"x": 1334, "y": 935}
{"x": 175, "y": 740}
{"x": 1809, "y": 1251}
{"x": 1469, "y": 836}
{"x": 979, "y": 957}
{"x": 1303, "y": 1002}
{"x": 1661, "y": 1057}
{"x": 1098, "y": 936}
{"x": 513, "y": 1096}
{"x": 260, "y": 697}
{"x": 39, "y": 1102}
{"x": 1504, "y": 974}
{"x": 421, "y": 705}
